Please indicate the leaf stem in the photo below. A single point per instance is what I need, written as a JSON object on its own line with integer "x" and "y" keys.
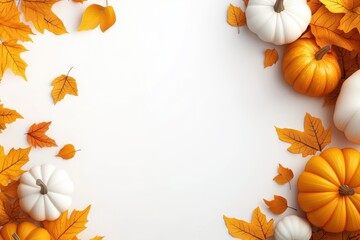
{"x": 69, "y": 71}
{"x": 107, "y": 4}
{"x": 292, "y": 208}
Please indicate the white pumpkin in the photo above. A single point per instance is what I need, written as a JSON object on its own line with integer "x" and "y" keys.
{"x": 278, "y": 21}
{"x": 347, "y": 108}
{"x": 293, "y": 227}
{"x": 45, "y": 192}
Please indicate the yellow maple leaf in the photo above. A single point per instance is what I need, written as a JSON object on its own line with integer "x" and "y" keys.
{"x": 10, "y": 26}
{"x": 7, "y": 116}
{"x": 65, "y": 228}
{"x": 271, "y": 57}
{"x": 36, "y": 136}
{"x": 236, "y": 17}
{"x": 314, "y": 138}
{"x": 10, "y": 167}
{"x": 10, "y": 58}
{"x": 351, "y": 8}
{"x": 41, "y": 15}
{"x": 96, "y": 15}
{"x": 258, "y": 229}
{"x": 324, "y": 26}
{"x": 63, "y": 85}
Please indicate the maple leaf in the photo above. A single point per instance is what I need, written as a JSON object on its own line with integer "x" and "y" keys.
{"x": 278, "y": 205}
{"x": 65, "y": 228}
{"x": 96, "y": 15}
{"x": 63, "y": 85}
{"x": 36, "y": 135}
{"x": 10, "y": 167}
{"x": 271, "y": 57}
{"x": 285, "y": 175}
{"x": 41, "y": 15}
{"x": 324, "y": 25}
{"x": 7, "y": 116}
{"x": 236, "y": 17}
{"x": 314, "y": 5}
{"x": 351, "y": 8}
{"x": 259, "y": 228}
{"x": 11, "y": 212}
{"x": 10, "y": 190}
{"x": 10, "y": 26}
{"x": 314, "y": 138}
{"x": 67, "y": 152}
{"x": 10, "y": 58}
{"x": 322, "y": 235}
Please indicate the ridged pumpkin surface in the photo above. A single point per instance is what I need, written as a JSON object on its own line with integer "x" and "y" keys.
{"x": 329, "y": 190}
{"x": 23, "y": 231}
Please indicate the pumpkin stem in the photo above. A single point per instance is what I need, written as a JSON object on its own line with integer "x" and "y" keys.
{"x": 42, "y": 185}
{"x": 279, "y": 6}
{"x": 320, "y": 54}
{"x": 345, "y": 190}
{"x": 15, "y": 236}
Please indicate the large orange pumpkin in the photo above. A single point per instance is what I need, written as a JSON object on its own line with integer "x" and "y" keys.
{"x": 310, "y": 70}
{"x": 23, "y": 231}
{"x": 329, "y": 190}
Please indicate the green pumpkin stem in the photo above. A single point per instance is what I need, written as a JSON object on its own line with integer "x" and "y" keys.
{"x": 345, "y": 190}
{"x": 279, "y": 6}
{"x": 42, "y": 185}
{"x": 320, "y": 54}
{"x": 15, "y": 236}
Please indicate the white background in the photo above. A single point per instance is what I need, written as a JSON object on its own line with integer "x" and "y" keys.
{"x": 175, "y": 118}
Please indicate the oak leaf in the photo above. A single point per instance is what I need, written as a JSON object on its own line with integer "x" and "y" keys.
{"x": 271, "y": 57}
{"x": 278, "y": 205}
{"x": 324, "y": 26}
{"x": 63, "y": 85}
{"x": 67, "y": 152}
{"x": 236, "y": 17}
{"x": 259, "y": 228}
{"x": 10, "y": 167}
{"x": 285, "y": 175}
{"x": 322, "y": 235}
{"x": 96, "y": 15}
{"x": 41, "y": 15}
{"x": 314, "y": 138}
{"x": 351, "y": 8}
{"x": 65, "y": 228}
{"x": 7, "y": 116}
{"x": 10, "y": 26}
{"x": 36, "y": 136}
{"x": 10, "y": 58}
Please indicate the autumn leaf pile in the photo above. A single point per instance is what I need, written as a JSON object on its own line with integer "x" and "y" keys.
{"x": 19, "y": 20}
{"x": 335, "y": 23}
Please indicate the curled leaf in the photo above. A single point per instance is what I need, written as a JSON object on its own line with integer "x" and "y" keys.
{"x": 96, "y": 15}
{"x": 271, "y": 57}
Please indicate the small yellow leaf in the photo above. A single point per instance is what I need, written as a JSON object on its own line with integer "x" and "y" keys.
{"x": 10, "y": 58}
{"x": 63, "y": 85}
{"x": 285, "y": 175}
{"x": 235, "y": 16}
{"x": 271, "y": 57}
{"x": 67, "y": 152}
{"x": 96, "y": 15}
{"x": 7, "y": 116}
{"x": 36, "y": 135}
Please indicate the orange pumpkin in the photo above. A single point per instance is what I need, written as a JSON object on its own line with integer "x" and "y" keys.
{"x": 310, "y": 70}
{"x": 23, "y": 231}
{"x": 329, "y": 190}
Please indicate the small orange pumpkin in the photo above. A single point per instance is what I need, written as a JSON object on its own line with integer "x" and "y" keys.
{"x": 310, "y": 70}
{"x": 329, "y": 190}
{"x": 23, "y": 231}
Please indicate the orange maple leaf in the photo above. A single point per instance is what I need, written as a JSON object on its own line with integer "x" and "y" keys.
{"x": 67, "y": 152}
{"x": 324, "y": 25}
{"x": 351, "y": 8}
{"x": 10, "y": 55}
{"x": 7, "y": 116}
{"x": 278, "y": 205}
{"x": 314, "y": 5}
{"x": 259, "y": 228}
{"x": 322, "y": 235}
{"x": 11, "y": 212}
{"x": 96, "y": 15}
{"x": 10, "y": 190}
{"x": 314, "y": 138}
{"x": 285, "y": 175}
{"x": 236, "y": 17}
{"x": 36, "y": 135}
{"x": 41, "y": 15}
{"x": 65, "y": 228}
{"x": 10, "y": 167}
{"x": 271, "y": 57}
{"x": 63, "y": 85}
